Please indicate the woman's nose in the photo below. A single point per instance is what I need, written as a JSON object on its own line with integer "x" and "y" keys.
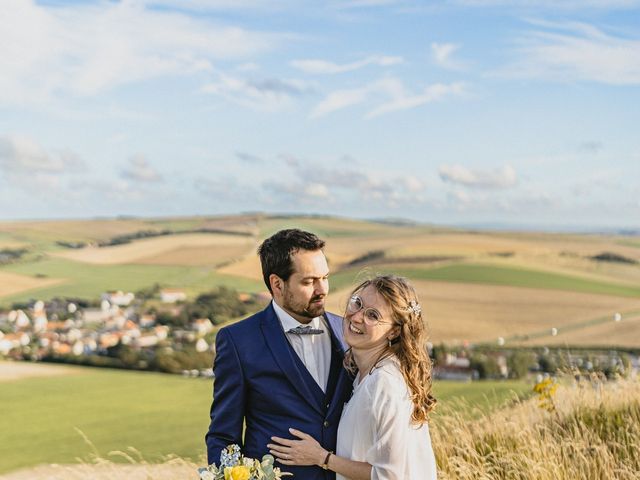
{"x": 357, "y": 316}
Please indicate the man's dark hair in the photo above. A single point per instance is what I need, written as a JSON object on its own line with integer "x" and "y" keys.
{"x": 275, "y": 252}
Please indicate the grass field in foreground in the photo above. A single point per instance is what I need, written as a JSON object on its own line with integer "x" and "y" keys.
{"x": 156, "y": 414}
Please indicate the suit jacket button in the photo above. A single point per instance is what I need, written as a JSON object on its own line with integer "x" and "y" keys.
{"x": 326, "y": 423}
{"x": 328, "y": 405}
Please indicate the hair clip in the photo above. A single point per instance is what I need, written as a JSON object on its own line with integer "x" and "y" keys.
{"x": 414, "y": 307}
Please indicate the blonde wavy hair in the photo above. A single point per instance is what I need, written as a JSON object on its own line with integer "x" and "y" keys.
{"x": 409, "y": 347}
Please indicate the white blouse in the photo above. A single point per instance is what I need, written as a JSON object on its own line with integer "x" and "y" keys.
{"x": 376, "y": 428}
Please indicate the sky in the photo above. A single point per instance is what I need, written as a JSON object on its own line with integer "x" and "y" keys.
{"x": 448, "y": 112}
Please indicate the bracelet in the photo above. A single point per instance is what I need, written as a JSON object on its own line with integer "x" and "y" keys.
{"x": 325, "y": 464}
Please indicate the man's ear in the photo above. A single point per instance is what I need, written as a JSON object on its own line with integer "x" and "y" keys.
{"x": 276, "y": 284}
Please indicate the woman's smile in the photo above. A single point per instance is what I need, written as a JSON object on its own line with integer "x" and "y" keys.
{"x": 354, "y": 329}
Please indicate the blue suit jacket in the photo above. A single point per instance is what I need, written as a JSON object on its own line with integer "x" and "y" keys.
{"x": 260, "y": 380}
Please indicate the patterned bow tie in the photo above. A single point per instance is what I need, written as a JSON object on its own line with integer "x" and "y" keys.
{"x": 306, "y": 330}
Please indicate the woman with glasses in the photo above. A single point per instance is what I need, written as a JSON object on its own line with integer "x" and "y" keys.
{"x": 383, "y": 432}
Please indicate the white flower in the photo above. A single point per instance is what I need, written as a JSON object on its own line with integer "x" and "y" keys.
{"x": 205, "y": 474}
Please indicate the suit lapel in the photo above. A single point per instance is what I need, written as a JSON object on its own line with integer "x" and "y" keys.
{"x": 286, "y": 357}
{"x": 339, "y": 379}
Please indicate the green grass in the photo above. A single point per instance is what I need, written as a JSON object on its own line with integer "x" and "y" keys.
{"x": 630, "y": 243}
{"x": 6, "y": 239}
{"x": 155, "y": 413}
{"x": 484, "y": 395}
{"x": 89, "y": 281}
{"x": 517, "y": 277}
{"x": 176, "y": 224}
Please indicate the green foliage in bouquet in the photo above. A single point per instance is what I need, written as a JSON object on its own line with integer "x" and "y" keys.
{"x": 235, "y": 466}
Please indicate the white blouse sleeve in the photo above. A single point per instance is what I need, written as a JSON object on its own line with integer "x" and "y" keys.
{"x": 390, "y": 415}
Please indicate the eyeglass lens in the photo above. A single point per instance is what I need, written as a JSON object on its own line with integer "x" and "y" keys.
{"x": 371, "y": 315}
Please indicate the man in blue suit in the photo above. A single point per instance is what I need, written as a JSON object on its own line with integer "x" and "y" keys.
{"x": 282, "y": 367}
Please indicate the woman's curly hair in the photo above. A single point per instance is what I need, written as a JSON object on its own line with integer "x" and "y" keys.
{"x": 410, "y": 345}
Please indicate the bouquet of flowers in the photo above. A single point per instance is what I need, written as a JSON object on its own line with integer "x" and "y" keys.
{"x": 235, "y": 466}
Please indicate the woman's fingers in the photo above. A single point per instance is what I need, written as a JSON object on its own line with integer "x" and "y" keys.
{"x": 283, "y": 441}
{"x": 279, "y": 448}
{"x": 299, "y": 434}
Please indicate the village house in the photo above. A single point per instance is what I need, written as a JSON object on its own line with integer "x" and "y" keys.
{"x": 19, "y": 319}
{"x": 109, "y": 339}
{"x": 147, "y": 321}
{"x": 202, "y": 345}
{"x": 172, "y": 295}
{"x": 202, "y": 326}
{"x": 94, "y": 315}
{"x": 118, "y": 298}
{"x": 11, "y": 341}
{"x": 146, "y": 340}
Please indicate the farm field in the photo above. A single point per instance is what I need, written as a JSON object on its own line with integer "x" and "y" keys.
{"x": 458, "y": 312}
{"x": 89, "y": 281}
{"x": 13, "y": 283}
{"x": 475, "y": 285}
{"x": 157, "y": 414}
{"x": 625, "y": 334}
{"x": 163, "y": 249}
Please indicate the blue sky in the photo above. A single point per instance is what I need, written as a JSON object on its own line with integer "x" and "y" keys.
{"x": 453, "y": 112}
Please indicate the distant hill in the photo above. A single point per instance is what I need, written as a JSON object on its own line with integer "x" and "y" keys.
{"x": 475, "y": 285}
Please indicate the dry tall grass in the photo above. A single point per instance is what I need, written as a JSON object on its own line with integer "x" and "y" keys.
{"x": 593, "y": 433}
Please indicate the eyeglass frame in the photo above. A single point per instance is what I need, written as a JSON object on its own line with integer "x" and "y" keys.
{"x": 364, "y": 312}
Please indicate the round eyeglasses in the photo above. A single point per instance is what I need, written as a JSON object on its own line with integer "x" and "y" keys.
{"x": 371, "y": 316}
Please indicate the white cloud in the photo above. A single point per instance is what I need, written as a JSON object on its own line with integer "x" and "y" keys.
{"x": 317, "y": 190}
{"x": 393, "y": 93}
{"x": 20, "y": 155}
{"x": 554, "y": 4}
{"x": 270, "y": 94}
{"x": 576, "y": 52}
{"x": 341, "y": 99}
{"x": 139, "y": 169}
{"x": 366, "y": 3}
{"x": 86, "y": 49}
{"x": 249, "y": 158}
{"x": 383, "y": 188}
{"x": 323, "y": 67}
{"x": 401, "y": 100}
{"x": 591, "y": 146}
{"x": 500, "y": 178}
{"x": 248, "y": 67}
{"x": 210, "y": 5}
{"x": 442, "y": 54}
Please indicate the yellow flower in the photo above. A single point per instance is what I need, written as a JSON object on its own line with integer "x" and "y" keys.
{"x": 237, "y": 473}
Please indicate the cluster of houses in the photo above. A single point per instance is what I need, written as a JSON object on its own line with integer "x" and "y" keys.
{"x": 61, "y": 328}
{"x": 37, "y": 332}
{"x": 458, "y": 366}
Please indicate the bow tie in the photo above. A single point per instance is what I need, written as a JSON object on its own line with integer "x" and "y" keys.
{"x": 306, "y": 330}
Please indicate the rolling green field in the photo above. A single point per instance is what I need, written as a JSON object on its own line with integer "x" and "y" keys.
{"x": 156, "y": 414}
{"x": 518, "y": 277}
{"x": 490, "y": 275}
{"x": 89, "y": 281}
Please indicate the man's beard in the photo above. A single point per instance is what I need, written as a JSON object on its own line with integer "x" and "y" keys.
{"x": 309, "y": 310}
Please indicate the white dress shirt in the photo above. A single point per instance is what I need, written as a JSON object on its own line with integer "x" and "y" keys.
{"x": 313, "y": 350}
{"x": 376, "y": 428}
